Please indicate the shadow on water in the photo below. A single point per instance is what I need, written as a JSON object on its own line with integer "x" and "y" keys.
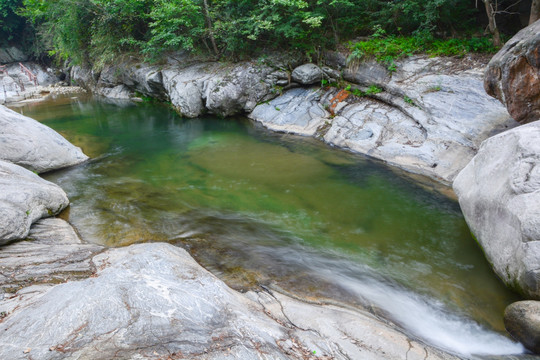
{"x": 260, "y": 208}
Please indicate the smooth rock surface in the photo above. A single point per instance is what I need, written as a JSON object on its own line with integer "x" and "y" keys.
{"x": 513, "y": 74}
{"x": 499, "y": 193}
{"x": 522, "y": 320}
{"x": 307, "y": 74}
{"x": 425, "y": 123}
{"x": 155, "y": 301}
{"x": 24, "y": 199}
{"x": 30, "y": 144}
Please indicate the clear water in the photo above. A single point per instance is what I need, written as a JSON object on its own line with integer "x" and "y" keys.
{"x": 260, "y": 208}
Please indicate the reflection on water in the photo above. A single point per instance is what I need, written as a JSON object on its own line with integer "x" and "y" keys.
{"x": 261, "y": 208}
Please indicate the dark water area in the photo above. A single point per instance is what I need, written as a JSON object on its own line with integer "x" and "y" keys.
{"x": 260, "y": 208}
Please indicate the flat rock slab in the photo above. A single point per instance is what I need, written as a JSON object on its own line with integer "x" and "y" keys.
{"x": 425, "y": 117}
{"x": 155, "y": 301}
{"x": 499, "y": 193}
{"x": 52, "y": 253}
{"x": 24, "y": 199}
{"x": 28, "y": 143}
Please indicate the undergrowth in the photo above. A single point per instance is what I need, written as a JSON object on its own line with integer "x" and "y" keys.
{"x": 388, "y": 48}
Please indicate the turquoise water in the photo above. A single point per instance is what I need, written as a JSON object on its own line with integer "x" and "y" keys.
{"x": 261, "y": 208}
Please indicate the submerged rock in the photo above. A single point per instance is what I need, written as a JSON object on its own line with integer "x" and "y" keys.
{"x": 499, "y": 193}
{"x": 24, "y": 199}
{"x": 522, "y": 320}
{"x": 513, "y": 74}
{"x": 155, "y": 301}
{"x": 30, "y": 144}
{"x": 422, "y": 122}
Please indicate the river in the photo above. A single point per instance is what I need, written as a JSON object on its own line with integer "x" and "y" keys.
{"x": 259, "y": 208}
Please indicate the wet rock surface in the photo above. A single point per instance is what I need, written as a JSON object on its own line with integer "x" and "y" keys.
{"x": 425, "y": 123}
{"x": 155, "y": 301}
{"x": 24, "y": 199}
{"x": 513, "y": 75}
{"x": 30, "y": 144}
{"x": 498, "y": 194}
{"x": 522, "y": 320}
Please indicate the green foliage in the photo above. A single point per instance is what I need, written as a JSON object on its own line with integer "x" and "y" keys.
{"x": 387, "y": 49}
{"x": 98, "y": 30}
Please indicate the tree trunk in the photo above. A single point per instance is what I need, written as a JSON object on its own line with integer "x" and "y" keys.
{"x": 209, "y": 26}
{"x": 535, "y": 11}
{"x": 493, "y": 29}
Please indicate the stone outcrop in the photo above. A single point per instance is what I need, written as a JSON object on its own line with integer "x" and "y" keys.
{"x": 522, "y": 320}
{"x": 28, "y": 143}
{"x": 513, "y": 75}
{"x": 24, "y": 199}
{"x": 12, "y": 54}
{"x": 499, "y": 194}
{"x": 192, "y": 87}
{"x": 155, "y": 301}
{"x": 16, "y": 85}
{"x": 428, "y": 117}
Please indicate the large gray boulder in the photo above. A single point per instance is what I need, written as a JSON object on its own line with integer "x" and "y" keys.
{"x": 513, "y": 74}
{"x": 154, "y": 301}
{"x": 28, "y": 143}
{"x": 428, "y": 117}
{"x": 522, "y": 320}
{"x": 24, "y": 199}
{"x": 307, "y": 74}
{"x": 499, "y": 193}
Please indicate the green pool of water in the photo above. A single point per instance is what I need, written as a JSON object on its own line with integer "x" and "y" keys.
{"x": 256, "y": 207}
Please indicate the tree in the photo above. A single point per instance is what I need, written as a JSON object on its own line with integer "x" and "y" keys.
{"x": 491, "y": 12}
{"x": 535, "y": 11}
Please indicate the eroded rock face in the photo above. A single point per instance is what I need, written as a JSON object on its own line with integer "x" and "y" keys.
{"x": 425, "y": 123}
{"x": 522, "y": 320}
{"x": 155, "y": 301}
{"x": 24, "y": 199}
{"x": 499, "y": 194}
{"x": 30, "y": 144}
{"x": 513, "y": 75}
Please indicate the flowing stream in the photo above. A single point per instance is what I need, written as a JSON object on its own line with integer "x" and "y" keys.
{"x": 286, "y": 212}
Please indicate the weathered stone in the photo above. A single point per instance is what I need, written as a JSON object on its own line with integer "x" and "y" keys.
{"x": 307, "y": 74}
{"x": 513, "y": 75}
{"x": 24, "y": 199}
{"x": 522, "y": 320}
{"x": 499, "y": 194}
{"x": 425, "y": 123}
{"x": 52, "y": 253}
{"x": 26, "y": 142}
{"x": 155, "y": 301}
